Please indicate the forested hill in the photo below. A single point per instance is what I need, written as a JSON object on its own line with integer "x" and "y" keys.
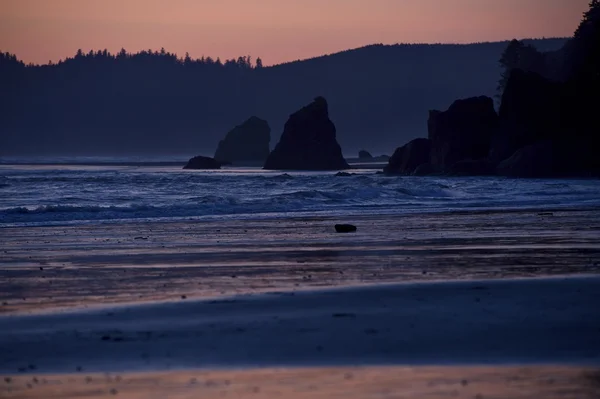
{"x": 156, "y": 103}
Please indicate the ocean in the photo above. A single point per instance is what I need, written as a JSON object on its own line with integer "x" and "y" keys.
{"x": 101, "y": 190}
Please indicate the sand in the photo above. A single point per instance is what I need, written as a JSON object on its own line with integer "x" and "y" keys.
{"x": 477, "y": 305}
{"x": 439, "y": 339}
{"x": 487, "y": 382}
{"x": 509, "y": 321}
{"x": 65, "y": 266}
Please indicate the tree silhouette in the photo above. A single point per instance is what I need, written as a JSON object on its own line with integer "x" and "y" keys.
{"x": 97, "y": 102}
{"x": 519, "y": 55}
{"x": 584, "y": 49}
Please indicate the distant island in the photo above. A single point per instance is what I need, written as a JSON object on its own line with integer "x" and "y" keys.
{"x": 155, "y": 102}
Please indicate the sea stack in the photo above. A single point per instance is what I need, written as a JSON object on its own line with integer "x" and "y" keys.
{"x": 308, "y": 142}
{"x": 201, "y": 162}
{"x": 463, "y": 132}
{"x": 364, "y": 154}
{"x": 409, "y": 157}
{"x": 248, "y": 142}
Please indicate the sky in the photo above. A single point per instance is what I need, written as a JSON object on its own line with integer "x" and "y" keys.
{"x": 275, "y": 30}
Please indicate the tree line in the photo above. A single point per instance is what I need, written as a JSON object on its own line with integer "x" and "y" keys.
{"x": 145, "y": 56}
{"x": 578, "y": 58}
{"x": 158, "y": 102}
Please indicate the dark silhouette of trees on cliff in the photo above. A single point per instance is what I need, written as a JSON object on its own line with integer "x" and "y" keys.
{"x": 519, "y": 55}
{"x": 152, "y": 59}
{"x": 571, "y": 88}
{"x": 584, "y": 48}
{"x": 578, "y": 59}
{"x": 97, "y": 102}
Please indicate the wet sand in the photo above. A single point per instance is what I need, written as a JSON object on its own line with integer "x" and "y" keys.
{"x": 43, "y": 268}
{"x": 441, "y": 339}
{"x": 547, "y": 382}
{"x": 507, "y": 321}
{"x": 445, "y": 305}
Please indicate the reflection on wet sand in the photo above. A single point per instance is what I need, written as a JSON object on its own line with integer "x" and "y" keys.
{"x": 49, "y": 267}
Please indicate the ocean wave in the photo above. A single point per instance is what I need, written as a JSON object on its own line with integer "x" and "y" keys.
{"x": 22, "y": 210}
{"x": 38, "y": 195}
{"x": 428, "y": 192}
{"x": 284, "y": 176}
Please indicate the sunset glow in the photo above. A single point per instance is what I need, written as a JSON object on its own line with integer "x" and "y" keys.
{"x": 276, "y": 30}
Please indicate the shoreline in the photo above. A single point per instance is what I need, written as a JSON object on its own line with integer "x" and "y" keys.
{"x": 286, "y": 307}
{"x": 360, "y": 286}
{"x": 357, "y": 214}
{"x": 51, "y": 267}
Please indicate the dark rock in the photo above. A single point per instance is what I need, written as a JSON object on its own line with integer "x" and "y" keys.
{"x": 248, "y": 142}
{"x": 408, "y": 157}
{"x": 547, "y": 128}
{"x": 472, "y": 168}
{"x": 530, "y": 161}
{"x": 561, "y": 158}
{"x": 462, "y": 132}
{"x": 425, "y": 169}
{"x": 531, "y": 111}
{"x": 201, "y": 162}
{"x": 364, "y": 154}
{"x": 308, "y": 142}
{"x": 345, "y": 228}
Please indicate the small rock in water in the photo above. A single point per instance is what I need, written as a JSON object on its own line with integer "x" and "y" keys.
{"x": 345, "y": 228}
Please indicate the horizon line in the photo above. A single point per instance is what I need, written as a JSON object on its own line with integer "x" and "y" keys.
{"x": 51, "y": 62}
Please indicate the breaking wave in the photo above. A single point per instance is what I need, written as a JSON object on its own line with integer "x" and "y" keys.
{"x": 31, "y": 195}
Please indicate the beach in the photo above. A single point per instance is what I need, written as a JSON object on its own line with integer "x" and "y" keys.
{"x": 48, "y": 267}
{"x": 518, "y": 382}
{"x": 409, "y": 306}
{"x": 393, "y": 221}
{"x": 145, "y": 281}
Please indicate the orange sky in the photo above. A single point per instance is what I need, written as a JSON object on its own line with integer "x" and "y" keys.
{"x": 275, "y": 30}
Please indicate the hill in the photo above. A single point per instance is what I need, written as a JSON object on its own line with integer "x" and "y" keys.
{"x": 157, "y": 103}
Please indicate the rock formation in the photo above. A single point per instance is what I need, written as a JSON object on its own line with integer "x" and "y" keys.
{"x": 308, "y": 142}
{"x": 462, "y": 132}
{"x": 425, "y": 169}
{"x": 364, "y": 154}
{"x": 248, "y": 142}
{"x": 546, "y": 129}
{"x": 345, "y": 228}
{"x": 409, "y": 157}
{"x": 530, "y": 112}
{"x": 469, "y": 167}
{"x": 535, "y": 160}
{"x": 201, "y": 162}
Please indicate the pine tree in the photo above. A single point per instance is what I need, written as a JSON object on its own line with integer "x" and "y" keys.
{"x": 584, "y": 54}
